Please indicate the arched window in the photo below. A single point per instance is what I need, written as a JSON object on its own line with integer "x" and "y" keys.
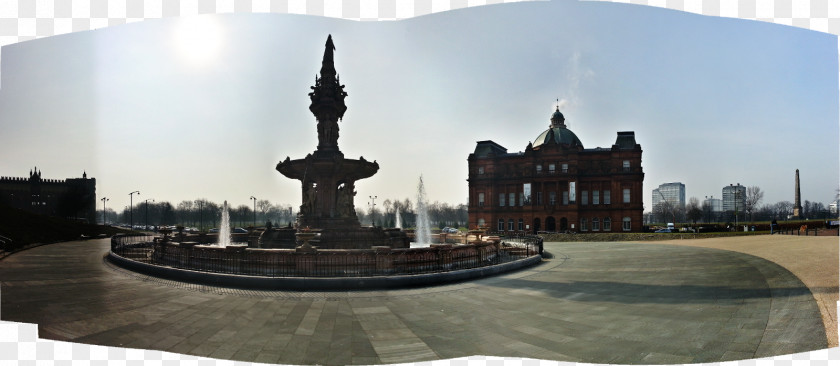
{"x": 607, "y": 224}
{"x": 626, "y": 224}
{"x": 582, "y": 224}
{"x": 501, "y": 226}
{"x": 521, "y": 224}
{"x": 595, "y": 224}
{"x": 480, "y": 222}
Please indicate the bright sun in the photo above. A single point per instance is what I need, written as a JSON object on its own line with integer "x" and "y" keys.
{"x": 198, "y": 40}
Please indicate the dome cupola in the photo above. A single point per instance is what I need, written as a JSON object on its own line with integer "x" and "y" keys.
{"x": 557, "y": 119}
{"x": 557, "y": 133}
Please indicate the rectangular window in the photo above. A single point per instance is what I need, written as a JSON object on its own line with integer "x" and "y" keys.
{"x": 564, "y": 168}
{"x": 521, "y": 224}
{"x": 565, "y": 198}
{"x": 539, "y": 169}
{"x": 572, "y": 192}
{"x": 582, "y": 224}
{"x": 551, "y": 168}
{"x": 607, "y": 224}
{"x": 501, "y": 200}
{"x": 626, "y": 224}
{"x": 626, "y": 195}
{"x": 595, "y": 224}
{"x": 539, "y": 198}
{"x": 510, "y": 225}
{"x": 626, "y": 165}
{"x": 596, "y": 199}
{"x": 480, "y": 170}
{"x": 481, "y": 200}
{"x": 501, "y": 226}
{"x": 584, "y": 197}
{"x": 521, "y": 199}
{"x": 552, "y": 198}
{"x": 526, "y": 193}
{"x": 511, "y": 199}
{"x": 607, "y": 197}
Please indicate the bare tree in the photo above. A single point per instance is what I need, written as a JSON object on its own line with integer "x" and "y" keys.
{"x": 665, "y": 211}
{"x": 784, "y": 209}
{"x": 754, "y": 196}
{"x": 263, "y": 206}
{"x": 693, "y": 210}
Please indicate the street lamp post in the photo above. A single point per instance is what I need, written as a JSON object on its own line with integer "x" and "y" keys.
{"x": 372, "y": 212}
{"x": 255, "y": 210}
{"x": 147, "y": 212}
{"x": 104, "y": 199}
{"x": 131, "y": 207}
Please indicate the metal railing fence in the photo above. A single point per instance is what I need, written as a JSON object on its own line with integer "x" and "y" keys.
{"x": 240, "y": 260}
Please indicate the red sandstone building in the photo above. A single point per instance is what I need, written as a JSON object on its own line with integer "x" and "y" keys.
{"x": 557, "y": 185}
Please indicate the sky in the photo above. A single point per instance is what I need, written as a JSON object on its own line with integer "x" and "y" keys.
{"x": 205, "y": 107}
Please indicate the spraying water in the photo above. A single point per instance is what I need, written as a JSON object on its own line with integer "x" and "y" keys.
{"x": 224, "y": 229}
{"x": 423, "y": 233}
{"x": 398, "y": 223}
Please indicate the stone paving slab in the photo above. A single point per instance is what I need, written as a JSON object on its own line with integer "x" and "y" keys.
{"x": 813, "y": 260}
{"x": 591, "y": 302}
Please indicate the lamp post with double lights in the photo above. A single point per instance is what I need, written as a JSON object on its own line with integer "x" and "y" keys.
{"x": 104, "y": 199}
{"x": 372, "y": 210}
{"x": 131, "y": 207}
{"x": 255, "y": 210}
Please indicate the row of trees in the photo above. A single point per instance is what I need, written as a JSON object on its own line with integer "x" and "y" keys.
{"x": 199, "y": 213}
{"x": 440, "y": 214}
{"x": 204, "y": 214}
{"x": 752, "y": 210}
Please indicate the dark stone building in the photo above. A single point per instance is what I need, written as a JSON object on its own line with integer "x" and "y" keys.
{"x": 69, "y": 198}
{"x": 557, "y": 185}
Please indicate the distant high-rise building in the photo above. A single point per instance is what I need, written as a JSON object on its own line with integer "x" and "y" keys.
{"x": 713, "y": 204}
{"x": 734, "y": 198}
{"x": 673, "y": 193}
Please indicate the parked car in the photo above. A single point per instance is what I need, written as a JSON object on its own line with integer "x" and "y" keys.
{"x": 213, "y": 230}
{"x": 239, "y": 230}
{"x": 664, "y": 231}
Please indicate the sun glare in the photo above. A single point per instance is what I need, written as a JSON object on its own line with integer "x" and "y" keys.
{"x": 198, "y": 40}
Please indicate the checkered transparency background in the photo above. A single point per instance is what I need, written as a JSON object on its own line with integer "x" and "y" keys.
{"x": 22, "y": 20}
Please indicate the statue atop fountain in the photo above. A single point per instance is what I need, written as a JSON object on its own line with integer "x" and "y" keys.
{"x": 327, "y": 178}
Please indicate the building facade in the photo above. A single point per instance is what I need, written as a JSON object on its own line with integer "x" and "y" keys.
{"x": 556, "y": 185}
{"x": 734, "y": 198}
{"x": 713, "y": 204}
{"x": 672, "y": 193}
{"x": 68, "y": 198}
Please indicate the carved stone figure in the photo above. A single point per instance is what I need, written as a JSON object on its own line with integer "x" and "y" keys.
{"x": 344, "y": 201}
{"x": 309, "y": 199}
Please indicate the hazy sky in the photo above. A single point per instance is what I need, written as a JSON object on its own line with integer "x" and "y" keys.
{"x": 205, "y": 107}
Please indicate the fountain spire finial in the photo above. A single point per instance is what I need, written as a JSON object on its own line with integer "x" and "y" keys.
{"x": 328, "y": 102}
{"x": 328, "y": 64}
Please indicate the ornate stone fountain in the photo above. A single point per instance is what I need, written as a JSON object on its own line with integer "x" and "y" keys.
{"x": 328, "y": 179}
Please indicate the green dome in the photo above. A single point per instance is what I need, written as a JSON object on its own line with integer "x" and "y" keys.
{"x": 558, "y": 135}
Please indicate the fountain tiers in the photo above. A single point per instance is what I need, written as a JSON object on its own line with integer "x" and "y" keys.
{"x": 328, "y": 179}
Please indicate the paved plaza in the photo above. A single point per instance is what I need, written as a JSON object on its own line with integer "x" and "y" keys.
{"x": 590, "y": 302}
